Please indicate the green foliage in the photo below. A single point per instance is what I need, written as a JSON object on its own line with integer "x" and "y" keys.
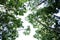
{"x": 8, "y": 18}
{"x": 43, "y": 20}
{"x": 27, "y": 31}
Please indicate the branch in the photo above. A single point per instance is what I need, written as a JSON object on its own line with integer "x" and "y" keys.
{"x": 40, "y": 22}
{"x": 41, "y": 2}
{"x": 44, "y": 24}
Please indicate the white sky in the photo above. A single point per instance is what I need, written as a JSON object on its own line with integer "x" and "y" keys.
{"x": 25, "y": 24}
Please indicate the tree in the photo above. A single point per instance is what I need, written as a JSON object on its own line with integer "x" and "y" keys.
{"x": 8, "y": 18}
{"x": 43, "y": 20}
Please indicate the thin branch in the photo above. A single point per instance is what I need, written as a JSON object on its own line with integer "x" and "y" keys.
{"x": 41, "y": 2}
{"x": 40, "y": 22}
{"x": 44, "y": 24}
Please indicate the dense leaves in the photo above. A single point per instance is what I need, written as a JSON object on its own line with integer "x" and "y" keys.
{"x": 9, "y": 22}
{"x": 43, "y": 19}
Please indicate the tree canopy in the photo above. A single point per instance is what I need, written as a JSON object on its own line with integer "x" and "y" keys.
{"x": 40, "y": 18}
{"x": 9, "y": 10}
{"x": 43, "y": 19}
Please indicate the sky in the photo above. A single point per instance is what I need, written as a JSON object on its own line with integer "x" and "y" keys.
{"x": 25, "y": 24}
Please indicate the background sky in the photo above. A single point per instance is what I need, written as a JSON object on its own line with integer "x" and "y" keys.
{"x": 25, "y": 24}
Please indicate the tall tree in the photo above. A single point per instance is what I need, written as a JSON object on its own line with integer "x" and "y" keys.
{"x": 9, "y": 9}
{"x": 42, "y": 19}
